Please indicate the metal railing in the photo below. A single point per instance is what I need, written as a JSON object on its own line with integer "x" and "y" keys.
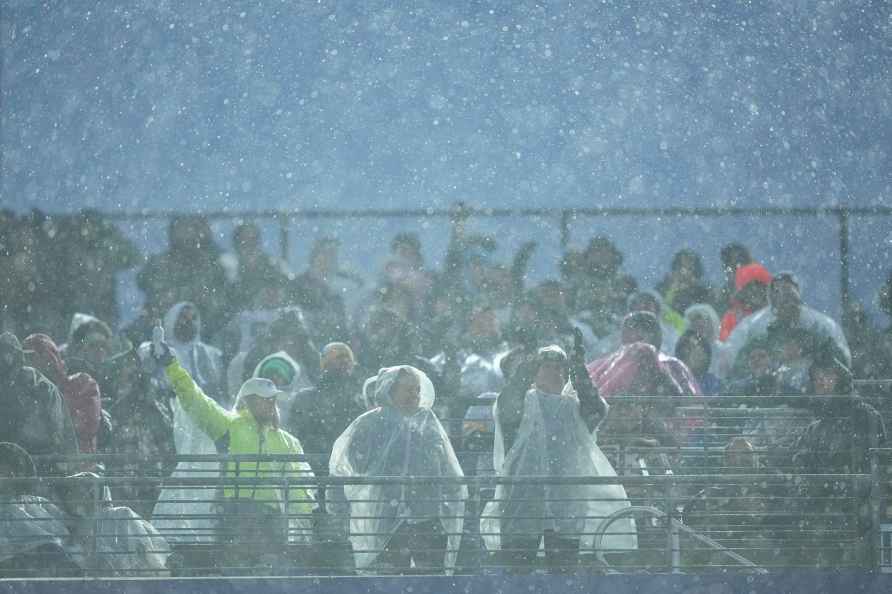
{"x": 690, "y": 435}
{"x": 698, "y": 505}
{"x": 683, "y": 523}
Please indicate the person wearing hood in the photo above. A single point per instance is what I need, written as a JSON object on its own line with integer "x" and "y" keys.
{"x": 33, "y": 534}
{"x": 35, "y": 415}
{"x": 182, "y": 513}
{"x": 640, "y": 366}
{"x": 702, "y": 320}
{"x": 547, "y": 417}
{"x": 90, "y": 343}
{"x": 257, "y": 521}
{"x": 107, "y": 539}
{"x": 785, "y": 313}
{"x": 285, "y": 373}
{"x": 288, "y": 333}
{"x": 393, "y": 523}
{"x": 80, "y": 391}
{"x": 319, "y": 414}
{"x": 182, "y": 327}
{"x": 751, "y": 282}
{"x": 695, "y": 351}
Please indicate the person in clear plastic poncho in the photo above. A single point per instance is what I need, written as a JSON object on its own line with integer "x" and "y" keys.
{"x": 547, "y": 426}
{"x": 396, "y": 524}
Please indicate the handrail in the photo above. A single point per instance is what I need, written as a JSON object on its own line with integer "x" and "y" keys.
{"x": 310, "y": 529}
{"x": 302, "y": 213}
{"x": 745, "y": 399}
{"x": 309, "y": 481}
{"x": 601, "y": 530}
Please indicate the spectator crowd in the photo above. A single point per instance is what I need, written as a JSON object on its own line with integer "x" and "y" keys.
{"x": 236, "y": 353}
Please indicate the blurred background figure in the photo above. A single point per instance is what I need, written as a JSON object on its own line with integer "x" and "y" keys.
{"x": 685, "y": 283}
{"x": 189, "y": 271}
{"x": 315, "y": 292}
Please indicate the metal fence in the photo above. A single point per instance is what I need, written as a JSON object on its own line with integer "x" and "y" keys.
{"x": 696, "y": 506}
{"x": 682, "y": 523}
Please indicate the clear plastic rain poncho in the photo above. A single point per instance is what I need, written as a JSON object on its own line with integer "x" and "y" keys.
{"x": 202, "y": 361}
{"x": 713, "y": 327}
{"x": 183, "y": 514}
{"x": 111, "y": 539}
{"x": 28, "y": 522}
{"x": 386, "y": 443}
{"x": 554, "y": 441}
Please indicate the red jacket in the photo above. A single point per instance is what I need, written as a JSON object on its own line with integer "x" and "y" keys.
{"x": 736, "y": 311}
{"x": 80, "y": 391}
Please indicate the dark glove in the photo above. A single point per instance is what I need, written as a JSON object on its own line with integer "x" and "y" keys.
{"x": 105, "y": 434}
{"x": 578, "y": 346}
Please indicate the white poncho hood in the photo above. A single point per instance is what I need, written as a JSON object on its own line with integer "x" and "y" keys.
{"x": 384, "y": 442}
{"x": 202, "y": 361}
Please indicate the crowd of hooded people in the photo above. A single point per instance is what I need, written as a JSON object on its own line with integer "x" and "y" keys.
{"x": 234, "y": 353}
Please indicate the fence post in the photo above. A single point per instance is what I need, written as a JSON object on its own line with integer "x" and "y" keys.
{"x": 565, "y": 228}
{"x": 673, "y": 547}
{"x": 284, "y": 236}
{"x": 94, "y": 545}
{"x": 843, "y": 216}
{"x": 875, "y": 496}
{"x": 284, "y": 562}
{"x": 875, "y": 552}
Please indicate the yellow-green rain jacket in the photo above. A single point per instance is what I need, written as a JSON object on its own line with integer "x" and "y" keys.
{"x": 245, "y": 437}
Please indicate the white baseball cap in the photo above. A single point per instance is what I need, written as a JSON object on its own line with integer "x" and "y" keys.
{"x": 258, "y": 386}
